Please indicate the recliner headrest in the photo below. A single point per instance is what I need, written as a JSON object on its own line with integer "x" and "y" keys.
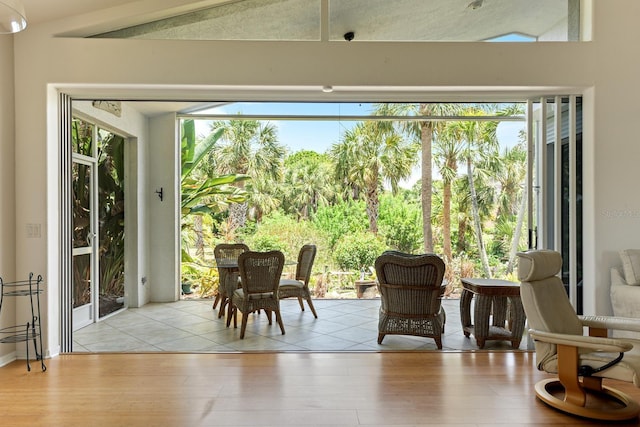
{"x": 538, "y": 264}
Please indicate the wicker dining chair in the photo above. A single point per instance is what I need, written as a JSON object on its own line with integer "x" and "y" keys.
{"x": 260, "y": 276}
{"x": 299, "y": 287}
{"x": 411, "y": 290}
{"x": 226, "y": 255}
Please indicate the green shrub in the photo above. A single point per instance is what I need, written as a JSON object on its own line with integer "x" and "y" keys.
{"x": 340, "y": 219}
{"x": 358, "y": 251}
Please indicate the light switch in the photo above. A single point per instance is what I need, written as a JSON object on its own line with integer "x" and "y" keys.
{"x": 33, "y": 231}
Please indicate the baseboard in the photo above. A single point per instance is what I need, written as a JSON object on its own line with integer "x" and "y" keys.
{"x": 8, "y": 358}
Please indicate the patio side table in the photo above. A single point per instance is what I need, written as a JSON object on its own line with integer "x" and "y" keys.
{"x": 500, "y": 296}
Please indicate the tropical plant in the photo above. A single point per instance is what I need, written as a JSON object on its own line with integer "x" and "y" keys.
{"x": 341, "y": 218}
{"x": 481, "y": 141}
{"x": 111, "y": 213}
{"x": 248, "y": 147}
{"x": 358, "y": 251}
{"x": 202, "y": 194}
{"x": 370, "y": 155}
{"x": 400, "y": 225}
{"x": 424, "y": 131}
{"x": 307, "y": 183}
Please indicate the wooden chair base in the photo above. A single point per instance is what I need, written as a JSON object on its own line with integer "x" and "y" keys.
{"x": 608, "y": 404}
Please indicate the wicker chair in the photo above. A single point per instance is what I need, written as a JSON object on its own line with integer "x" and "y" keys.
{"x": 260, "y": 276}
{"x": 226, "y": 255}
{"x": 411, "y": 289}
{"x": 580, "y": 362}
{"x": 299, "y": 287}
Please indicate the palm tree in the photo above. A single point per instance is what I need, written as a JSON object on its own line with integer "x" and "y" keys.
{"x": 448, "y": 150}
{"x": 481, "y": 141}
{"x": 248, "y": 147}
{"x": 424, "y": 131}
{"x": 370, "y": 154}
{"x": 511, "y": 177}
{"x": 308, "y": 183}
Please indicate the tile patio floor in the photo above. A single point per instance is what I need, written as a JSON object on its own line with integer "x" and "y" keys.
{"x": 192, "y": 326}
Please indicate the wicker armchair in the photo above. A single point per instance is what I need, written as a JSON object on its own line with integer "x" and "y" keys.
{"x": 411, "y": 290}
{"x": 260, "y": 275}
{"x": 299, "y": 287}
{"x": 226, "y": 255}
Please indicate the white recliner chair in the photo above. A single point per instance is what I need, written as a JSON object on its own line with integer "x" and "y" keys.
{"x": 580, "y": 362}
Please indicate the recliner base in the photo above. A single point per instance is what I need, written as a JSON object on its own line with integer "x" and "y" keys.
{"x": 609, "y": 405}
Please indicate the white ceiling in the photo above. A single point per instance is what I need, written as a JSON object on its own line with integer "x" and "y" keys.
{"x": 371, "y": 20}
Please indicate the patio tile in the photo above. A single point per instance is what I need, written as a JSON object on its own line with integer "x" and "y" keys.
{"x": 193, "y": 326}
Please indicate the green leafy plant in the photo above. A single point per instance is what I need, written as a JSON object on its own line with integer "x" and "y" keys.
{"x": 358, "y": 251}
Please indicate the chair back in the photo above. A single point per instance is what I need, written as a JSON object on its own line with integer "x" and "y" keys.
{"x": 260, "y": 272}
{"x": 410, "y": 284}
{"x": 545, "y": 299}
{"x": 306, "y": 256}
{"x": 228, "y": 252}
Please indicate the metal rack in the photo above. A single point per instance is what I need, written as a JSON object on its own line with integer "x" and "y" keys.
{"x": 32, "y": 330}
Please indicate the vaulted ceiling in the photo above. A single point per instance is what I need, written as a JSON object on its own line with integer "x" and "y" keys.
{"x": 370, "y": 20}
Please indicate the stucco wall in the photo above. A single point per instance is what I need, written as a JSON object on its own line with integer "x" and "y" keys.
{"x": 604, "y": 71}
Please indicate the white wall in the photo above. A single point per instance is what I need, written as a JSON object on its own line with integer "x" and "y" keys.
{"x": 163, "y": 219}
{"x": 604, "y": 71}
{"x": 7, "y": 187}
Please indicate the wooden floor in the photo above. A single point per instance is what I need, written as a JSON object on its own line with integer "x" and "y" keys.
{"x": 280, "y": 389}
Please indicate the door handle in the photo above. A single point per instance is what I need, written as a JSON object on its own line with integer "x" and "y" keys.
{"x": 90, "y": 237}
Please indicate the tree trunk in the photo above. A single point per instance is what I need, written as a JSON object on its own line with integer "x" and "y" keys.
{"x": 476, "y": 221}
{"x": 446, "y": 216}
{"x": 372, "y": 207}
{"x": 238, "y": 215}
{"x": 517, "y": 232}
{"x": 426, "y": 136}
{"x": 197, "y": 225}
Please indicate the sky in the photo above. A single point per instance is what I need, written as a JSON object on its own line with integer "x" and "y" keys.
{"x": 320, "y": 135}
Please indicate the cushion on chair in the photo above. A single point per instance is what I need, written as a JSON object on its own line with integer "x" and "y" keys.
{"x": 631, "y": 266}
{"x": 240, "y": 293}
{"x": 291, "y": 282}
{"x": 538, "y": 265}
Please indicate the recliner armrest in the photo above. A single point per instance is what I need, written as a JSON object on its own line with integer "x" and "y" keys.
{"x": 612, "y": 322}
{"x": 592, "y": 343}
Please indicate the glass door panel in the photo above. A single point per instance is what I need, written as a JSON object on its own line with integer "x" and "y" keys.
{"x": 83, "y": 237}
{"x": 111, "y": 218}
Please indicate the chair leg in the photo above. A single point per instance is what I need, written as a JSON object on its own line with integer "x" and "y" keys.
{"x": 229, "y": 308}
{"x": 244, "y": 325}
{"x": 223, "y": 302}
{"x": 380, "y": 338}
{"x": 313, "y": 309}
{"x": 438, "y": 342}
{"x": 235, "y": 317}
{"x": 215, "y": 301}
{"x": 232, "y": 312}
{"x": 279, "y": 320}
{"x": 300, "y": 302}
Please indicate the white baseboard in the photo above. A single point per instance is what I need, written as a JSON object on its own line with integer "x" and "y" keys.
{"x": 8, "y": 358}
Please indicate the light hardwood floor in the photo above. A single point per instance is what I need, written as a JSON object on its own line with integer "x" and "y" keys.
{"x": 280, "y": 389}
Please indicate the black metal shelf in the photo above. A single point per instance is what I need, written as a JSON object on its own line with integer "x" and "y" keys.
{"x": 32, "y": 330}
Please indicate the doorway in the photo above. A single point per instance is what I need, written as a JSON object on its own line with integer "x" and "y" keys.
{"x": 97, "y": 185}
